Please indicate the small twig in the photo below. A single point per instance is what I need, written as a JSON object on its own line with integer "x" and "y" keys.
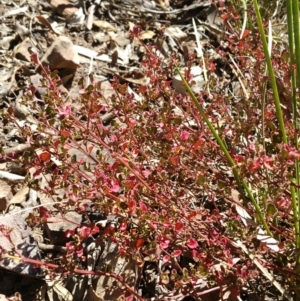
{"x": 239, "y": 77}
{"x": 77, "y": 271}
{"x": 160, "y": 12}
{"x": 90, "y": 17}
{"x": 200, "y": 53}
{"x": 10, "y": 176}
{"x": 45, "y": 247}
{"x": 107, "y": 117}
{"x": 18, "y": 149}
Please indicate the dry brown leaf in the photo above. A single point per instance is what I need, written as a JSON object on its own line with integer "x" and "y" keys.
{"x": 235, "y": 195}
{"x": 135, "y": 77}
{"x": 120, "y": 38}
{"x": 91, "y": 54}
{"x": 101, "y": 37}
{"x": 20, "y": 196}
{"x": 16, "y": 11}
{"x": 175, "y": 32}
{"x": 63, "y": 8}
{"x": 270, "y": 242}
{"x": 5, "y": 42}
{"x": 114, "y": 58}
{"x": 62, "y": 292}
{"x": 91, "y": 295}
{"x": 104, "y": 25}
{"x": 5, "y": 194}
{"x": 3, "y": 166}
{"x": 85, "y": 51}
{"x": 21, "y": 30}
{"x": 131, "y": 25}
{"x": 147, "y": 34}
{"x": 125, "y": 54}
{"x": 44, "y": 21}
{"x": 245, "y": 217}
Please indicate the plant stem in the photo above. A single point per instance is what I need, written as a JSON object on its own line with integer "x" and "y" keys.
{"x": 241, "y": 183}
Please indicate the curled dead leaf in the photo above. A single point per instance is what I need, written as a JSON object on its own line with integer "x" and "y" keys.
{"x": 147, "y": 35}
{"x": 51, "y": 25}
{"x": 104, "y": 25}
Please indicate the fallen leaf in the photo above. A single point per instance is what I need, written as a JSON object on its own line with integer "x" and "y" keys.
{"x": 62, "y": 292}
{"x": 146, "y": 35}
{"x": 91, "y": 295}
{"x": 175, "y": 32}
{"x": 51, "y": 25}
{"x": 271, "y": 242}
{"x": 5, "y": 194}
{"x": 104, "y": 25}
{"x": 20, "y": 196}
{"x": 246, "y": 218}
{"x": 16, "y": 11}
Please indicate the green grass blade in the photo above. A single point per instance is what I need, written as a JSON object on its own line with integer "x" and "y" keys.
{"x": 241, "y": 183}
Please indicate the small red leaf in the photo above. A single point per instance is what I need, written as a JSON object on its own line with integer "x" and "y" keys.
{"x": 174, "y": 160}
{"x": 143, "y": 207}
{"x": 153, "y": 225}
{"x": 132, "y": 204}
{"x": 293, "y": 154}
{"x": 123, "y": 226}
{"x": 246, "y": 33}
{"x": 283, "y": 203}
{"x": 177, "y": 253}
{"x": 143, "y": 89}
{"x": 65, "y": 134}
{"x": 139, "y": 243}
{"x": 184, "y": 135}
{"x": 95, "y": 230}
{"x": 192, "y": 243}
{"x": 65, "y": 111}
{"x": 115, "y": 165}
{"x": 136, "y": 31}
{"x": 164, "y": 242}
{"x": 132, "y": 207}
{"x": 45, "y": 156}
{"x": 196, "y": 255}
{"x": 115, "y": 186}
{"x": 239, "y": 158}
{"x": 34, "y": 57}
{"x": 56, "y": 143}
{"x": 178, "y": 227}
{"x": 166, "y": 258}
{"x": 69, "y": 233}
{"x": 256, "y": 164}
{"x": 197, "y": 144}
{"x": 167, "y": 83}
{"x": 146, "y": 173}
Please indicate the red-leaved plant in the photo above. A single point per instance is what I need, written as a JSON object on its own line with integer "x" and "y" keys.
{"x": 156, "y": 167}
